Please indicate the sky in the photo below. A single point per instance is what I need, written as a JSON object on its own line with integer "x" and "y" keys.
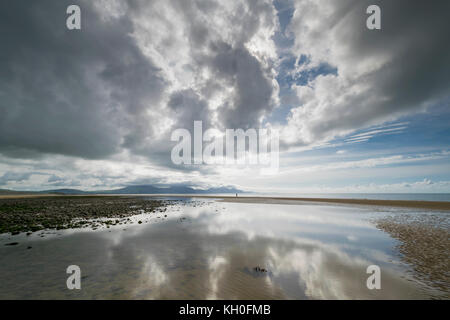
{"x": 357, "y": 110}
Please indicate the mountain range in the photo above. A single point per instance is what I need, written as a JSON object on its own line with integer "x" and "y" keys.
{"x": 139, "y": 189}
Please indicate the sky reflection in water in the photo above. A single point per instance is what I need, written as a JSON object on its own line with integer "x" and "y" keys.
{"x": 310, "y": 252}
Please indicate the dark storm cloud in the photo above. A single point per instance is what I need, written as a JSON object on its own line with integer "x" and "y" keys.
{"x": 230, "y": 61}
{"x": 417, "y": 33}
{"x": 70, "y": 92}
{"x": 414, "y": 33}
{"x": 254, "y": 89}
{"x": 89, "y": 93}
{"x": 187, "y": 107}
{"x": 381, "y": 74}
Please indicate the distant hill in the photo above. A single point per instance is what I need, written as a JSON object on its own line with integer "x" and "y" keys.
{"x": 150, "y": 189}
{"x": 66, "y": 191}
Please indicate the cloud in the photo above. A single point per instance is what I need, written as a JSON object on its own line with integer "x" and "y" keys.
{"x": 221, "y": 50}
{"x": 253, "y": 88}
{"x": 135, "y": 72}
{"x": 365, "y": 135}
{"x": 96, "y": 107}
{"x": 71, "y": 92}
{"x": 368, "y": 162}
{"x": 380, "y": 75}
{"x": 14, "y": 176}
{"x": 422, "y": 186}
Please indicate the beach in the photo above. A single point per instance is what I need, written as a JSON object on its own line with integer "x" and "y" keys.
{"x": 421, "y": 204}
{"x": 30, "y": 214}
{"x": 217, "y": 247}
{"x": 431, "y": 205}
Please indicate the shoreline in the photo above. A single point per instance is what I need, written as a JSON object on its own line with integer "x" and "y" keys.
{"x": 40, "y": 213}
{"x": 423, "y": 244}
{"x": 418, "y": 204}
{"x": 422, "y": 237}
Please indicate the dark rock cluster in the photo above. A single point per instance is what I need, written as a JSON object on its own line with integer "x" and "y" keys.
{"x": 34, "y": 214}
{"x": 258, "y": 269}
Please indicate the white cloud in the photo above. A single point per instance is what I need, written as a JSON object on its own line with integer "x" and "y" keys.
{"x": 140, "y": 69}
{"x": 371, "y": 84}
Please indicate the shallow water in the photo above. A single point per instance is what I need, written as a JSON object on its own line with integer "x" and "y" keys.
{"x": 208, "y": 250}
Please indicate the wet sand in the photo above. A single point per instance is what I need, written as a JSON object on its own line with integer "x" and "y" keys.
{"x": 209, "y": 250}
{"x": 205, "y": 249}
{"x": 430, "y": 205}
{"x": 424, "y": 244}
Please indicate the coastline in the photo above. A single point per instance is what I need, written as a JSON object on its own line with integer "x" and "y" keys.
{"x": 418, "y": 204}
{"x": 423, "y": 242}
{"x": 67, "y": 212}
{"x": 422, "y": 237}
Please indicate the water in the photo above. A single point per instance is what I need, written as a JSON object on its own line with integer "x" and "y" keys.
{"x": 371, "y": 196}
{"x": 209, "y": 249}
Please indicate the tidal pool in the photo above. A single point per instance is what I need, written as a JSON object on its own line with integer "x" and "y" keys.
{"x": 209, "y": 249}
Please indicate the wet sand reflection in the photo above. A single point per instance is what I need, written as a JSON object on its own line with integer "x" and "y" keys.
{"x": 310, "y": 252}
